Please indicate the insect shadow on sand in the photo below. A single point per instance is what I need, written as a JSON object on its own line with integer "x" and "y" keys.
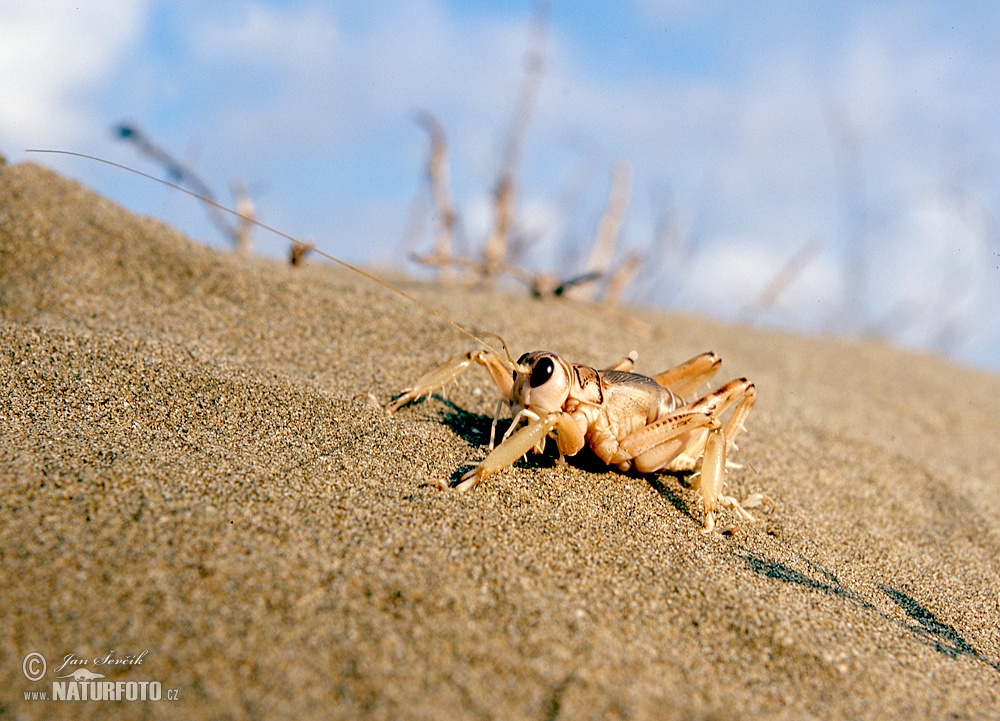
{"x": 928, "y": 629}
{"x": 943, "y": 637}
{"x": 670, "y": 494}
{"x": 474, "y": 429}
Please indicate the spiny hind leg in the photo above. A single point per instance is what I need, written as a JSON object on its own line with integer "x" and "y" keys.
{"x": 444, "y": 374}
{"x": 657, "y": 445}
{"x": 703, "y": 443}
{"x": 714, "y": 447}
{"x": 739, "y": 392}
{"x": 654, "y": 446}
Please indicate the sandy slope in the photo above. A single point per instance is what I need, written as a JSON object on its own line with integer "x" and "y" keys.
{"x": 185, "y": 471}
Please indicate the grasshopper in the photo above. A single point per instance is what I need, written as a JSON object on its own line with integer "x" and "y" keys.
{"x": 629, "y": 420}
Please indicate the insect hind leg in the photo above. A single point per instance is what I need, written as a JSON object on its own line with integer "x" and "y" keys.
{"x": 702, "y": 445}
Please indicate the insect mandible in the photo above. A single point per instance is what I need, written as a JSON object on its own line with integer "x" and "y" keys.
{"x": 629, "y": 420}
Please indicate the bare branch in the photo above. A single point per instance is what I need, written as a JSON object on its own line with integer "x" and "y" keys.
{"x": 238, "y": 234}
{"x": 495, "y": 252}
{"x": 437, "y": 176}
{"x": 242, "y": 231}
{"x": 609, "y": 227}
{"x": 778, "y": 284}
{"x": 496, "y": 247}
{"x": 620, "y": 280}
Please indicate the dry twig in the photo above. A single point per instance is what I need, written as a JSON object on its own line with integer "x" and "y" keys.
{"x": 239, "y": 234}
{"x": 437, "y": 176}
{"x": 779, "y": 283}
{"x": 608, "y": 229}
{"x": 495, "y": 252}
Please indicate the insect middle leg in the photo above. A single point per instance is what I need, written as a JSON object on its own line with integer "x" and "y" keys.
{"x": 691, "y": 375}
{"x": 739, "y": 392}
{"x": 714, "y": 446}
{"x": 625, "y": 364}
{"x": 446, "y": 373}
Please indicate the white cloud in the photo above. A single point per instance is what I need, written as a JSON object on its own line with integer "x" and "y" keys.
{"x": 729, "y": 277}
{"x": 257, "y": 35}
{"x": 52, "y": 55}
{"x": 931, "y": 273}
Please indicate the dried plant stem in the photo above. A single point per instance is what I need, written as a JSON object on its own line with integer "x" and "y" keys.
{"x": 503, "y": 212}
{"x": 239, "y": 234}
{"x": 495, "y": 252}
{"x": 620, "y": 280}
{"x": 779, "y": 283}
{"x": 608, "y": 229}
{"x": 242, "y": 231}
{"x": 444, "y": 211}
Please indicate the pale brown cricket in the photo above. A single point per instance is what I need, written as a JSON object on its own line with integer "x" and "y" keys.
{"x": 629, "y": 420}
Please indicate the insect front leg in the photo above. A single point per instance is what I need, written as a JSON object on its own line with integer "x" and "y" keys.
{"x": 569, "y": 438}
{"x": 501, "y": 404}
{"x": 443, "y": 375}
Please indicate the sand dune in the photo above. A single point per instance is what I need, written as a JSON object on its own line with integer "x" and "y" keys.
{"x": 186, "y": 470}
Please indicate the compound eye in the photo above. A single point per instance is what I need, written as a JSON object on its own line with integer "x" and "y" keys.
{"x": 541, "y": 372}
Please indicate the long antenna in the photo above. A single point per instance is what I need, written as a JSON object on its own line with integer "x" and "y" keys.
{"x": 264, "y": 226}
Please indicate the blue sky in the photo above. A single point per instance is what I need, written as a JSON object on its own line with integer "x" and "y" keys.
{"x": 868, "y": 130}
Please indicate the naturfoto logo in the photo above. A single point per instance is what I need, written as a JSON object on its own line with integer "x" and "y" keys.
{"x": 74, "y": 681}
